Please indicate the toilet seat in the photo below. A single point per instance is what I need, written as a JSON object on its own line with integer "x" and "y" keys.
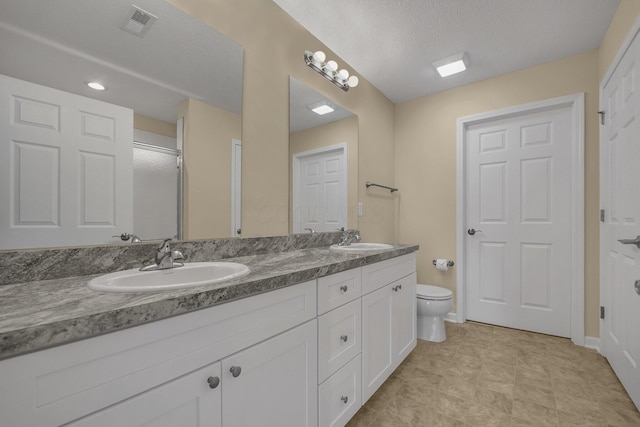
{"x": 433, "y": 293}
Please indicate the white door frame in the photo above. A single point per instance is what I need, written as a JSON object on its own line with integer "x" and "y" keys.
{"x": 612, "y": 68}
{"x": 236, "y": 188}
{"x": 297, "y": 158}
{"x": 576, "y": 103}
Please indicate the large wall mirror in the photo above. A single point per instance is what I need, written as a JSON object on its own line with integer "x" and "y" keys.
{"x": 323, "y": 141}
{"x": 79, "y": 166}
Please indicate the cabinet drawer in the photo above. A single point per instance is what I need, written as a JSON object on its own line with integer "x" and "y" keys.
{"x": 338, "y": 289}
{"x": 375, "y": 276}
{"x": 339, "y": 338}
{"x": 339, "y": 397}
{"x": 54, "y": 386}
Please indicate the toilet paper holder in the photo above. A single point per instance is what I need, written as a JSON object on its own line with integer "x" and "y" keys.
{"x": 449, "y": 263}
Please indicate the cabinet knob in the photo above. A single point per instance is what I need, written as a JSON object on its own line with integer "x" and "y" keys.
{"x": 395, "y": 289}
{"x": 235, "y": 371}
{"x": 344, "y": 338}
{"x": 344, "y": 288}
{"x": 213, "y": 382}
{"x": 345, "y": 399}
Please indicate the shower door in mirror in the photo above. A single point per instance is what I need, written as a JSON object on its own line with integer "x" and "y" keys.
{"x": 66, "y": 166}
{"x": 156, "y": 180}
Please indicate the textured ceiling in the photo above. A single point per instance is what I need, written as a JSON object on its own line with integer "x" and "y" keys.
{"x": 393, "y": 43}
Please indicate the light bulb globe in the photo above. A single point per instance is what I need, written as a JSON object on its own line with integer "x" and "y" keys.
{"x": 319, "y": 56}
{"x": 353, "y": 81}
{"x": 332, "y": 65}
{"x": 344, "y": 74}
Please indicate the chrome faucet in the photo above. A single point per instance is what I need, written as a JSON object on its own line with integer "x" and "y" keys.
{"x": 310, "y": 230}
{"x": 348, "y": 237}
{"x": 126, "y": 236}
{"x": 165, "y": 258}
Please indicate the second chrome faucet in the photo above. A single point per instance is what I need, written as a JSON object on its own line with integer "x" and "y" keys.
{"x": 165, "y": 258}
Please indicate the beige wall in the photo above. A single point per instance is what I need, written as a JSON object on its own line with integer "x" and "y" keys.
{"x": 627, "y": 13}
{"x": 342, "y": 131}
{"x": 154, "y": 126}
{"x": 426, "y": 161}
{"x": 208, "y": 132}
{"x": 273, "y": 49}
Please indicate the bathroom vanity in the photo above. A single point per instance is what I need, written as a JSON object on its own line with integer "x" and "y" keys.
{"x": 304, "y": 340}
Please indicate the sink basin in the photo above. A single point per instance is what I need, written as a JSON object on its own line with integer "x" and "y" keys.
{"x": 189, "y": 276}
{"x": 361, "y": 247}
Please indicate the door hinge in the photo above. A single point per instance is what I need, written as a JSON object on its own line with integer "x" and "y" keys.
{"x": 602, "y": 114}
{"x": 602, "y": 312}
{"x": 601, "y": 215}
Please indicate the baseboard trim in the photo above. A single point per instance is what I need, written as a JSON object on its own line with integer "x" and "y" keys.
{"x": 593, "y": 343}
{"x": 451, "y": 317}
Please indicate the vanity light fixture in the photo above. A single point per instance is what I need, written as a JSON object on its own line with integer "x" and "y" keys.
{"x": 96, "y": 86}
{"x": 329, "y": 70}
{"x": 321, "y": 108}
{"x": 452, "y": 64}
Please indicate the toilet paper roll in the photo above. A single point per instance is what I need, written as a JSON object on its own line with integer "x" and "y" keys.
{"x": 442, "y": 264}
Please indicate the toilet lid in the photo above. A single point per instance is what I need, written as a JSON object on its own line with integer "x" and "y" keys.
{"x": 433, "y": 292}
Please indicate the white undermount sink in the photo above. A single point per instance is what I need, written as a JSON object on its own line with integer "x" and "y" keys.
{"x": 188, "y": 276}
{"x": 361, "y": 247}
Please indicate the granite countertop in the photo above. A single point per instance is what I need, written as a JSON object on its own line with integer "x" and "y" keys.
{"x": 41, "y": 314}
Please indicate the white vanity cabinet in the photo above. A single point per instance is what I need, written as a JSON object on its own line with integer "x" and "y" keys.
{"x": 388, "y": 319}
{"x": 339, "y": 347}
{"x": 269, "y": 384}
{"x": 160, "y": 370}
{"x": 300, "y": 356}
{"x": 366, "y": 328}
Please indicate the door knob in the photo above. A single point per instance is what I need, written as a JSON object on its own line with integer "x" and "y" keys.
{"x": 635, "y": 241}
{"x": 472, "y": 231}
{"x": 344, "y": 288}
{"x": 213, "y": 382}
{"x": 344, "y": 338}
{"x": 235, "y": 371}
{"x": 345, "y": 399}
{"x": 637, "y": 287}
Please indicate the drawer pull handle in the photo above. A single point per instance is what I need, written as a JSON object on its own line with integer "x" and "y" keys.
{"x": 345, "y": 399}
{"x": 213, "y": 382}
{"x": 344, "y": 288}
{"x": 344, "y": 338}
{"x": 235, "y": 371}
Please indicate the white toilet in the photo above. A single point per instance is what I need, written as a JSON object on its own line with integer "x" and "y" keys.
{"x": 434, "y": 303}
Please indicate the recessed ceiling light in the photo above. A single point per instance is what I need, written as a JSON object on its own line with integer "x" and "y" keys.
{"x": 321, "y": 108}
{"x": 452, "y": 65}
{"x": 96, "y": 86}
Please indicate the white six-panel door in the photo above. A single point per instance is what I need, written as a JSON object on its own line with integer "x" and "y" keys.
{"x": 65, "y": 167}
{"x": 620, "y": 198}
{"x": 320, "y": 189}
{"x": 518, "y": 203}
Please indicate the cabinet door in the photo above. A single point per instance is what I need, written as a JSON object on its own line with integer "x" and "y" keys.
{"x": 189, "y": 401}
{"x": 404, "y": 317}
{"x": 274, "y": 383}
{"x": 377, "y": 339}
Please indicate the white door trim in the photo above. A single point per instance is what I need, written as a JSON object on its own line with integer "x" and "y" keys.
{"x": 612, "y": 68}
{"x": 576, "y": 103}
{"x": 297, "y": 158}
{"x": 236, "y": 188}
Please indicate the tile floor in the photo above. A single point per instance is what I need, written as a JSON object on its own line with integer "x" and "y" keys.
{"x": 491, "y": 376}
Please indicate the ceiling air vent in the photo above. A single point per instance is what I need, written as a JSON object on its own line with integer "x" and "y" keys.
{"x": 138, "y": 21}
